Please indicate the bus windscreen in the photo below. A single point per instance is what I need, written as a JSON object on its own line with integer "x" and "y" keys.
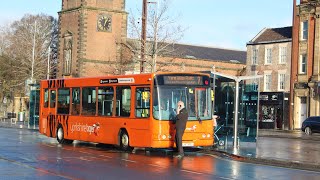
{"x": 193, "y": 90}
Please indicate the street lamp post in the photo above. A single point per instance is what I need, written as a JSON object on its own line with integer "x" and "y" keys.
{"x": 155, "y": 38}
{"x": 143, "y": 34}
{"x": 33, "y": 50}
{"x": 48, "y": 65}
{"x": 236, "y": 119}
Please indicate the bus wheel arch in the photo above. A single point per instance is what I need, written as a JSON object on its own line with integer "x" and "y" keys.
{"x": 60, "y": 136}
{"x": 124, "y": 140}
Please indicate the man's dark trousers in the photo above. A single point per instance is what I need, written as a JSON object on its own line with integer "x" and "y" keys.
{"x": 181, "y": 123}
{"x": 179, "y": 134}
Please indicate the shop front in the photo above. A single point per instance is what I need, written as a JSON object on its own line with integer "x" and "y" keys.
{"x": 274, "y": 110}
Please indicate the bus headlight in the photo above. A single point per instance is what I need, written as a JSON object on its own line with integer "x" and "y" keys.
{"x": 203, "y": 135}
{"x": 169, "y": 137}
{"x": 208, "y": 135}
{"x": 164, "y": 136}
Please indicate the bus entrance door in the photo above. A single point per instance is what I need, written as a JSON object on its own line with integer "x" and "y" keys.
{"x": 48, "y": 118}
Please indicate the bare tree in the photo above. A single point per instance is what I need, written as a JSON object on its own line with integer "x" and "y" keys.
{"x": 125, "y": 62}
{"x": 163, "y": 32}
{"x": 4, "y": 41}
{"x": 27, "y": 49}
{"x": 30, "y": 39}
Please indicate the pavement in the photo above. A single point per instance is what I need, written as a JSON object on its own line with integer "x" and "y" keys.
{"x": 18, "y": 124}
{"x": 290, "y": 149}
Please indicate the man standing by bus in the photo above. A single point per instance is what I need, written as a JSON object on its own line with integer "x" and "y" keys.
{"x": 181, "y": 122}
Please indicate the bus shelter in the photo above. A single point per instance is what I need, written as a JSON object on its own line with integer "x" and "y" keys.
{"x": 34, "y": 105}
{"x": 236, "y": 103}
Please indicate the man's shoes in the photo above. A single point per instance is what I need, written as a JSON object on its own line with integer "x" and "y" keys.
{"x": 179, "y": 156}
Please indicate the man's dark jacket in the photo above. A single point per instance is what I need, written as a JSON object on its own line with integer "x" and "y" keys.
{"x": 182, "y": 119}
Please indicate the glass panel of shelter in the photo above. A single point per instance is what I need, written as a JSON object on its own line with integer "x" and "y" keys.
{"x": 224, "y": 108}
{"x": 248, "y": 108}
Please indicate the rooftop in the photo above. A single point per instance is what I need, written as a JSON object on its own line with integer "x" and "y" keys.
{"x": 272, "y": 35}
{"x": 201, "y": 52}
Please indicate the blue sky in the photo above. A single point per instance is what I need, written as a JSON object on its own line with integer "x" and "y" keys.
{"x": 215, "y": 23}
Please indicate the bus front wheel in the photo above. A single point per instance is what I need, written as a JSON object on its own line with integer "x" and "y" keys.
{"x": 60, "y": 136}
{"x": 124, "y": 141}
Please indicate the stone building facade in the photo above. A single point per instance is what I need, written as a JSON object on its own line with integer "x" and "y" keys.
{"x": 305, "y": 72}
{"x": 93, "y": 42}
{"x": 269, "y": 54}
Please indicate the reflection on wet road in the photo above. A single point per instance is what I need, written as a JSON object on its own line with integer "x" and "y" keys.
{"x": 26, "y": 154}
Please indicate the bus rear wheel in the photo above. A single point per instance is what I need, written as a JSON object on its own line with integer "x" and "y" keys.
{"x": 60, "y": 136}
{"x": 124, "y": 141}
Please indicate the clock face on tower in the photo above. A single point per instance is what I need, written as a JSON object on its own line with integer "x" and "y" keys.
{"x": 104, "y": 22}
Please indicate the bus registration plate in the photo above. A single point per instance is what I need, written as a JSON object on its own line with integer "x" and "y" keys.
{"x": 188, "y": 144}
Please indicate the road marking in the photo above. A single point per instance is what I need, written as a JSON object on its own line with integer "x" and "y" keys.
{"x": 106, "y": 156}
{"x": 35, "y": 168}
{"x": 84, "y": 159}
{"x": 129, "y": 160}
{"x": 155, "y": 165}
{"x": 193, "y": 172}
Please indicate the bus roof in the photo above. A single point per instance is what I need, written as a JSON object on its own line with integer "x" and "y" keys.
{"x": 136, "y": 79}
{"x": 128, "y": 75}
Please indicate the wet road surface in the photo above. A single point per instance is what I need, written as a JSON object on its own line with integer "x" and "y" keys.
{"x": 26, "y": 154}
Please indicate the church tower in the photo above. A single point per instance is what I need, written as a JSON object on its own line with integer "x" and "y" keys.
{"x": 90, "y": 36}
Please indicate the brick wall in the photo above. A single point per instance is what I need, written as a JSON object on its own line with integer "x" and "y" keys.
{"x": 79, "y": 17}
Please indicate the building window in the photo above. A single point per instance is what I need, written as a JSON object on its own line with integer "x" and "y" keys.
{"x": 268, "y": 58}
{"x": 67, "y": 53}
{"x": 283, "y": 55}
{"x": 282, "y": 81}
{"x": 254, "y": 56}
{"x": 255, "y": 86}
{"x": 267, "y": 82}
{"x": 303, "y": 64}
{"x": 304, "y": 30}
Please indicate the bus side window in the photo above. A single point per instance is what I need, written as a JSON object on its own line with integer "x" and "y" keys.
{"x": 105, "y": 101}
{"x": 142, "y": 102}
{"x": 89, "y": 101}
{"x": 52, "y": 99}
{"x": 63, "y": 101}
{"x": 123, "y": 101}
{"x": 75, "y": 101}
{"x": 46, "y": 98}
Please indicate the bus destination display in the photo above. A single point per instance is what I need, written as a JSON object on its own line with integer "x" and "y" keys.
{"x": 187, "y": 80}
{"x": 117, "y": 80}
